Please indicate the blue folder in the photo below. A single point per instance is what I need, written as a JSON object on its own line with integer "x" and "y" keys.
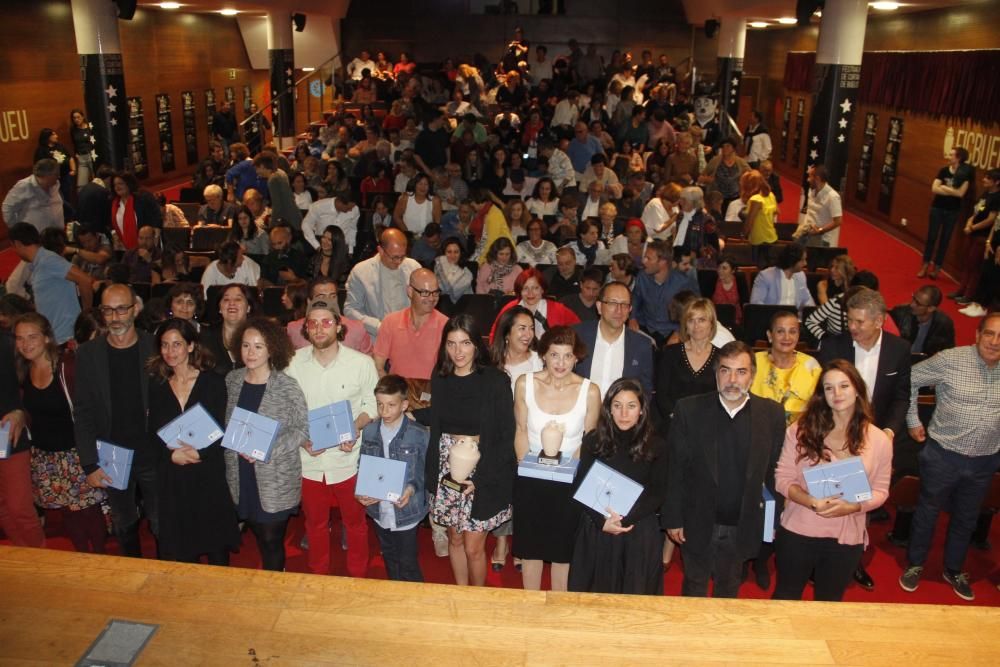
{"x": 845, "y": 478}
{"x": 564, "y": 472}
{"x": 331, "y": 426}
{"x": 5, "y": 446}
{"x": 193, "y": 427}
{"x": 769, "y": 517}
{"x": 381, "y": 478}
{"x": 603, "y": 487}
{"x": 251, "y": 434}
{"x": 116, "y": 462}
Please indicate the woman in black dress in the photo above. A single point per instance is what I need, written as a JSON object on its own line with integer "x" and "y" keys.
{"x": 621, "y": 554}
{"x": 236, "y": 303}
{"x": 49, "y": 147}
{"x": 196, "y": 511}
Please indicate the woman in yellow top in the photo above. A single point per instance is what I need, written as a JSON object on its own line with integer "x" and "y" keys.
{"x": 761, "y": 212}
{"x": 788, "y": 377}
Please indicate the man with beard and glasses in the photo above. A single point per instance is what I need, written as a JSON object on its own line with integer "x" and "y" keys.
{"x": 329, "y": 372}
{"x": 110, "y": 404}
{"x": 724, "y": 447}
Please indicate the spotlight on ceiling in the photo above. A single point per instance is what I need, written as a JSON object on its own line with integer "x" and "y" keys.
{"x": 229, "y": 12}
{"x": 758, "y": 24}
{"x": 885, "y": 6}
{"x": 170, "y": 5}
{"x": 787, "y": 20}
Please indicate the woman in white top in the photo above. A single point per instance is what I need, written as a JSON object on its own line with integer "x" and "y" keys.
{"x": 536, "y": 250}
{"x": 513, "y": 349}
{"x": 454, "y": 279}
{"x": 417, "y": 209}
{"x": 300, "y": 191}
{"x": 559, "y": 403}
{"x": 544, "y": 200}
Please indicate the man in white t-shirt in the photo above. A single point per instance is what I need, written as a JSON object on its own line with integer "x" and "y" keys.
{"x": 360, "y": 64}
{"x": 231, "y": 267}
{"x": 339, "y": 211}
{"x": 541, "y": 66}
{"x": 820, "y": 225}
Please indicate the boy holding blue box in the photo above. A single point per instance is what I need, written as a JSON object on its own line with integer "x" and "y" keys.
{"x": 396, "y": 436}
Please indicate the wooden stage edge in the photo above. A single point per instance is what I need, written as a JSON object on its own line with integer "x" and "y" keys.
{"x": 54, "y": 603}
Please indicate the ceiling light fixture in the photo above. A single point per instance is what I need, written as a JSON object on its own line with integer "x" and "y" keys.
{"x": 885, "y": 6}
{"x": 787, "y": 20}
{"x": 229, "y": 12}
{"x": 308, "y": 69}
{"x": 758, "y": 24}
{"x": 170, "y": 5}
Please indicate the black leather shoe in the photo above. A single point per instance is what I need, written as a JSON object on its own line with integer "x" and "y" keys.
{"x": 762, "y": 576}
{"x": 981, "y": 545}
{"x": 864, "y": 579}
{"x": 877, "y": 515}
{"x": 900, "y": 542}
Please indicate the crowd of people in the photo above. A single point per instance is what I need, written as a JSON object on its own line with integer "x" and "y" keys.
{"x": 587, "y": 205}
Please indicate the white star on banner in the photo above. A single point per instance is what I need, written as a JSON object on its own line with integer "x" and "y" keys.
{"x": 842, "y": 122}
{"x": 813, "y": 154}
{"x": 864, "y": 149}
{"x": 93, "y": 139}
{"x": 840, "y": 139}
{"x": 815, "y": 140}
{"x": 111, "y": 91}
{"x": 846, "y": 106}
{"x": 114, "y": 122}
{"x": 112, "y": 108}
{"x": 93, "y": 155}
{"x": 288, "y": 71}
{"x": 735, "y": 82}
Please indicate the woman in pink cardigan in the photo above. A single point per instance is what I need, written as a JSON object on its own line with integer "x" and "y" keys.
{"x": 828, "y": 534}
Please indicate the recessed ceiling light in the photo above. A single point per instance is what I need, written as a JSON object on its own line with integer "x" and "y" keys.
{"x": 757, "y": 24}
{"x": 787, "y": 20}
{"x": 229, "y": 12}
{"x": 308, "y": 69}
{"x": 170, "y": 5}
{"x": 885, "y": 6}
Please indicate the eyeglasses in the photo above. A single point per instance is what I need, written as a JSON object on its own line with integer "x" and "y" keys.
{"x": 624, "y": 305}
{"x": 120, "y": 311}
{"x": 395, "y": 258}
{"x": 427, "y": 293}
{"x": 325, "y": 323}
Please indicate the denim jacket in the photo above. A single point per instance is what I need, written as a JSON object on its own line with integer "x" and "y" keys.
{"x": 409, "y": 445}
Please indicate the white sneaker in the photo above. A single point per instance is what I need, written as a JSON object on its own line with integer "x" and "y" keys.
{"x": 973, "y": 310}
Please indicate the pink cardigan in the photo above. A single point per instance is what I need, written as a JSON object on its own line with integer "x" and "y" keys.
{"x": 876, "y": 455}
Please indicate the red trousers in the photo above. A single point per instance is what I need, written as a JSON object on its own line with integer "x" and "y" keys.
{"x": 317, "y": 499}
{"x": 17, "y": 508}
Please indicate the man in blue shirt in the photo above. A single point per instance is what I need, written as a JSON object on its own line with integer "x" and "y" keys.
{"x": 656, "y": 287}
{"x": 54, "y": 281}
{"x": 243, "y": 175}
{"x": 581, "y": 148}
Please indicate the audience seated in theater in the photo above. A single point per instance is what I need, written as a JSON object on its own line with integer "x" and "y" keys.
{"x": 785, "y": 283}
{"x": 245, "y": 231}
{"x": 532, "y": 287}
{"x": 254, "y": 201}
{"x": 584, "y": 302}
{"x": 564, "y": 278}
{"x": 232, "y": 266}
{"x": 655, "y": 287}
{"x": 377, "y": 285}
{"x": 215, "y": 212}
{"x": 498, "y": 275}
{"x": 830, "y": 318}
{"x": 283, "y": 263}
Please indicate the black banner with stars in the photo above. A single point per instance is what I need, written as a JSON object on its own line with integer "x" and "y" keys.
{"x": 103, "y": 80}
{"x": 834, "y": 97}
{"x": 730, "y": 75}
{"x": 282, "y": 79}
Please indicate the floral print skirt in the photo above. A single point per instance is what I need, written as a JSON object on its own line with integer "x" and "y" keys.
{"x": 454, "y": 510}
{"x": 59, "y": 482}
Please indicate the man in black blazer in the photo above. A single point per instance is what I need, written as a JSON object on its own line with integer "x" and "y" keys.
{"x": 93, "y": 209}
{"x": 724, "y": 447}
{"x": 614, "y": 304}
{"x": 883, "y": 360}
{"x": 110, "y": 402}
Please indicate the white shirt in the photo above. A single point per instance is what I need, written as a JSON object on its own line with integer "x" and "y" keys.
{"x": 591, "y": 208}
{"x": 566, "y": 113}
{"x": 324, "y": 213}
{"x": 541, "y": 69}
{"x": 654, "y": 215}
{"x": 787, "y": 290}
{"x": 824, "y": 206}
{"x": 733, "y": 211}
{"x": 248, "y": 273}
{"x": 608, "y": 363}
{"x": 735, "y": 411}
{"x": 561, "y": 169}
{"x": 682, "y": 227}
{"x": 356, "y": 66}
{"x": 532, "y": 364}
{"x": 866, "y": 361}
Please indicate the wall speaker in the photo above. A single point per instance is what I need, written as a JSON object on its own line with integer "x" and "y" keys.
{"x": 711, "y": 28}
{"x": 126, "y": 9}
{"x": 300, "y": 22}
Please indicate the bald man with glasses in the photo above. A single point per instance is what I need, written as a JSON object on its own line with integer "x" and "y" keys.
{"x": 409, "y": 338}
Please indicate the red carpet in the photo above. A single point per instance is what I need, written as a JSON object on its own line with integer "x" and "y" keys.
{"x": 884, "y": 562}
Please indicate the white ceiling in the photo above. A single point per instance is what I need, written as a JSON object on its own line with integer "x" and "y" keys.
{"x": 699, "y": 11}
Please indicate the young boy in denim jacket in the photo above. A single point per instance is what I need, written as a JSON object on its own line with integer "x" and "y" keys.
{"x": 397, "y": 437}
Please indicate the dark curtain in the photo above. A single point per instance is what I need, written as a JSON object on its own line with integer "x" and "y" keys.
{"x": 799, "y": 71}
{"x": 961, "y": 84}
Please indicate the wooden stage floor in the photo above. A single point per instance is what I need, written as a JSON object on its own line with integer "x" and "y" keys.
{"x": 53, "y": 604}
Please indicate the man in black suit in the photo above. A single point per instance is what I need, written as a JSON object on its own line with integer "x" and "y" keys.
{"x": 93, "y": 209}
{"x": 883, "y": 360}
{"x": 921, "y": 323}
{"x": 724, "y": 447}
{"x": 604, "y": 336}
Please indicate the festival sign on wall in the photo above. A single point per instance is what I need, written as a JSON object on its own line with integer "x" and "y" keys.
{"x": 983, "y": 147}
{"x": 14, "y": 126}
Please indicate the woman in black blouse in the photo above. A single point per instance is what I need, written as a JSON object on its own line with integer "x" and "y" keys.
{"x": 235, "y": 305}
{"x": 685, "y": 369}
{"x": 196, "y": 511}
{"x": 471, "y": 398}
{"x": 49, "y": 147}
{"x": 621, "y": 554}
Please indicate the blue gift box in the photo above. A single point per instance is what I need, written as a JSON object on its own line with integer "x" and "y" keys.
{"x": 564, "y": 472}
{"x": 381, "y": 478}
{"x": 331, "y": 426}
{"x": 845, "y": 478}
{"x": 604, "y": 487}
{"x": 769, "y": 507}
{"x": 193, "y": 427}
{"x": 251, "y": 434}
{"x": 116, "y": 462}
{"x": 5, "y": 446}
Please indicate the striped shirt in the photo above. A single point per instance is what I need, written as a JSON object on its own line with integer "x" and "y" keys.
{"x": 967, "y": 415}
